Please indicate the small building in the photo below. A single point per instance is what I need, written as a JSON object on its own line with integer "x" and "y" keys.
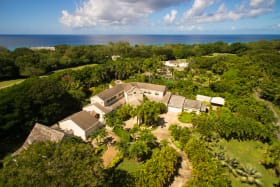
{"x": 176, "y": 63}
{"x": 194, "y": 106}
{"x": 203, "y": 98}
{"x": 115, "y": 57}
{"x": 41, "y": 133}
{"x": 81, "y": 124}
{"x": 176, "y": 103}
{"x": 218, "y": 101}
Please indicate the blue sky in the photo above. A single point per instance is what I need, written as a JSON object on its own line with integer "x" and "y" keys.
{"x": 139, "y": 17}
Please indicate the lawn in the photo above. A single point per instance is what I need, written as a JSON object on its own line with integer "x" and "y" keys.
{"x": 75, "y": 68}
{"x": 185, "y": 117}
{"x": 129, "y": 165}
{"x": 4, "y": 84}
{"x": 220, "y": 54}
{"x": 249, "y": 153}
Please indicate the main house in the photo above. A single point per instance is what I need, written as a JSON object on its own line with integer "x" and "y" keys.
{"x": 122, "y": 93}
{"x": 132, "y": 93}
{"x": 91, "y": 118}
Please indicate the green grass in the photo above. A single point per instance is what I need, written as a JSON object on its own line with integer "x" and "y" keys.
{"x": 249, "y": 153}
{"x": 75, "y": 68}
{"x": 219, "y": 54}
{"x": 129, "y": 165}
{"x": 185, "y": 117}
{"x": 4, "y": 84}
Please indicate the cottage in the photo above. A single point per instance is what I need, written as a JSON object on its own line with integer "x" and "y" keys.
{"x": 218, "y": 101}
{"x": 176, "y": 103}
{"x": 41, "y": 133}
{"x": 81, "y": 124}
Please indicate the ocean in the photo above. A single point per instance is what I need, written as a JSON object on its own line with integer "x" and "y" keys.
{"x": 15, "y": 41}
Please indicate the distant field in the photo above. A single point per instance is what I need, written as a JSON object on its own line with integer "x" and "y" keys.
{"x": 5, "y": 84}
{"x": 249, "y": 153}
{"x": 75, "y": 68}
{"x": 220, "y": 54}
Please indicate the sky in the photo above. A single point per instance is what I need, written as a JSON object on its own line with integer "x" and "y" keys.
{"x": 139, "y": 16}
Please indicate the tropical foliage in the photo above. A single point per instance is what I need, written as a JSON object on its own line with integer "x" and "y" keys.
{"x": 69, "y": 163}
{"x": 158, "y": 171}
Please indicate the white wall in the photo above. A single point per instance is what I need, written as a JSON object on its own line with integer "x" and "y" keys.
{"x": 152, "y": 93}
{"x": 192, "y": 110}
{"x": 173, "y": 109}
{"x": 96, "y": 99}
{"x": 70, "y": 125}
{"x": 93, "y": 108}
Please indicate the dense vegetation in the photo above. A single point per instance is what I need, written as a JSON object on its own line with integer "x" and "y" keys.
{"x": 245, "y": 74}
{"x": 68, "y": 163}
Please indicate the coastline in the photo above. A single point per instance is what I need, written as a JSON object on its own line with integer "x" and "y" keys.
{"x": 12, "y": 41}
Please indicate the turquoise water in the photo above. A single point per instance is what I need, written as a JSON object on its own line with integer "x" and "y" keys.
{"x": 15, "y": 41}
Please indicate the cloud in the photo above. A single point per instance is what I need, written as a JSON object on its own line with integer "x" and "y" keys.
{"x": 261, "y": 3}
{"x": 111, "y": 12}
{"x": 198, "y": 7}
{"x": 198, "y": 14}
{"x": 170, "y": 17}
{"x": 184, "y": 28}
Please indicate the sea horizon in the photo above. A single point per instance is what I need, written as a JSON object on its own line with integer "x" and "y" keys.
{"x": 13, "y": 41}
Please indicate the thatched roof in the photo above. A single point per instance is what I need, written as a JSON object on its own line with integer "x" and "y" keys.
{"x": 41, "y": 133}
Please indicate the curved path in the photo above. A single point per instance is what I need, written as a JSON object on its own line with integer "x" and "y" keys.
{"x": 185, "y": 171}
{"x": 162, "y": 133}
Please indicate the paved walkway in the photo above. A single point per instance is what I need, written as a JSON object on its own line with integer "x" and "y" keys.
{"x": 185, "y": 171}
{"x": 162, "y": 133}
{"x": 111, "y": 151}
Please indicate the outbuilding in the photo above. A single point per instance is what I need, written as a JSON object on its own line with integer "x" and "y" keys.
{"x": 81, "y": 124}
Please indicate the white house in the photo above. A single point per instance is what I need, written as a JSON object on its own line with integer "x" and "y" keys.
{"x": 131, "y": 93}
{"x": 219, "y": 101}
{"x": 81, "y": 124}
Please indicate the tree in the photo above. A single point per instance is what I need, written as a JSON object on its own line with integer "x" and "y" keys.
{"x": 158, "y": 171}
{"x": 68, "y": 163}
{"x": 148, "y": 112}
{"x": 180, "y": 134}
{"x": 35, "y": 100}
{"x": 272, "y": 158}
{"x": 206, "y": 170}
{"x": 99, "y": 134}
{"x": 138, "y": 150}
